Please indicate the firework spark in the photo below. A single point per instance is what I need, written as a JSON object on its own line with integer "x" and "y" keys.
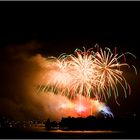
{"x": 83, "y": 107}
{"x": 86, "y": 79}
{"x": 93, "y": 74}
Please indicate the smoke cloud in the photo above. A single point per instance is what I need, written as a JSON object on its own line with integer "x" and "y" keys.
{"x": 20, "y": 72}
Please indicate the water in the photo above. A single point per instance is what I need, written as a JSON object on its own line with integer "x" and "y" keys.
{"x": 40, "y": 132}
{"x": 74, "y": 134}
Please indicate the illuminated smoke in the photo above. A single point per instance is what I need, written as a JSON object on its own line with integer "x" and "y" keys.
{"x": 92, "y": 76}
{"x": 68, "y": 90}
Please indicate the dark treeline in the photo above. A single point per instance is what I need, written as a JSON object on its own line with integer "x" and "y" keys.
{"x": 125, "y": 124}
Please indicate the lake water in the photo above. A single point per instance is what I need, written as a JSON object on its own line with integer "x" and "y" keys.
{"x": 40, "y": 132}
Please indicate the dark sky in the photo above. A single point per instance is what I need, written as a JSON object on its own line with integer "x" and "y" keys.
{"x": 63, "y": 26}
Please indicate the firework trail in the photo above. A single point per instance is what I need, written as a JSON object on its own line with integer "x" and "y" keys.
{"x": 92, "y": 74}
{"x": 88, "y": 73}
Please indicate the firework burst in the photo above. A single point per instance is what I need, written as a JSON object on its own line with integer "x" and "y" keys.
{"x": 87, "y": 78}
{"x": 94, "y": 73}
{"x": 84, "y": 107}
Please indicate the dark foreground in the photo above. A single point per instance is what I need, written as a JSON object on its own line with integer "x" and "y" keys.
{"x": 74, "y": 128}
{"x": 37, "y": 133}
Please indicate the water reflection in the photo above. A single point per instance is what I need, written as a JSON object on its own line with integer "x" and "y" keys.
{"x": 42, "y": 129}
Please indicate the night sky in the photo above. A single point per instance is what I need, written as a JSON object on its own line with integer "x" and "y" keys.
{"x": 52, "y": 28}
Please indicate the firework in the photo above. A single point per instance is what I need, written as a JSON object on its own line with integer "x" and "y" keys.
{"x": 83, "y": 107}
{"x": 93, "y": 74}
